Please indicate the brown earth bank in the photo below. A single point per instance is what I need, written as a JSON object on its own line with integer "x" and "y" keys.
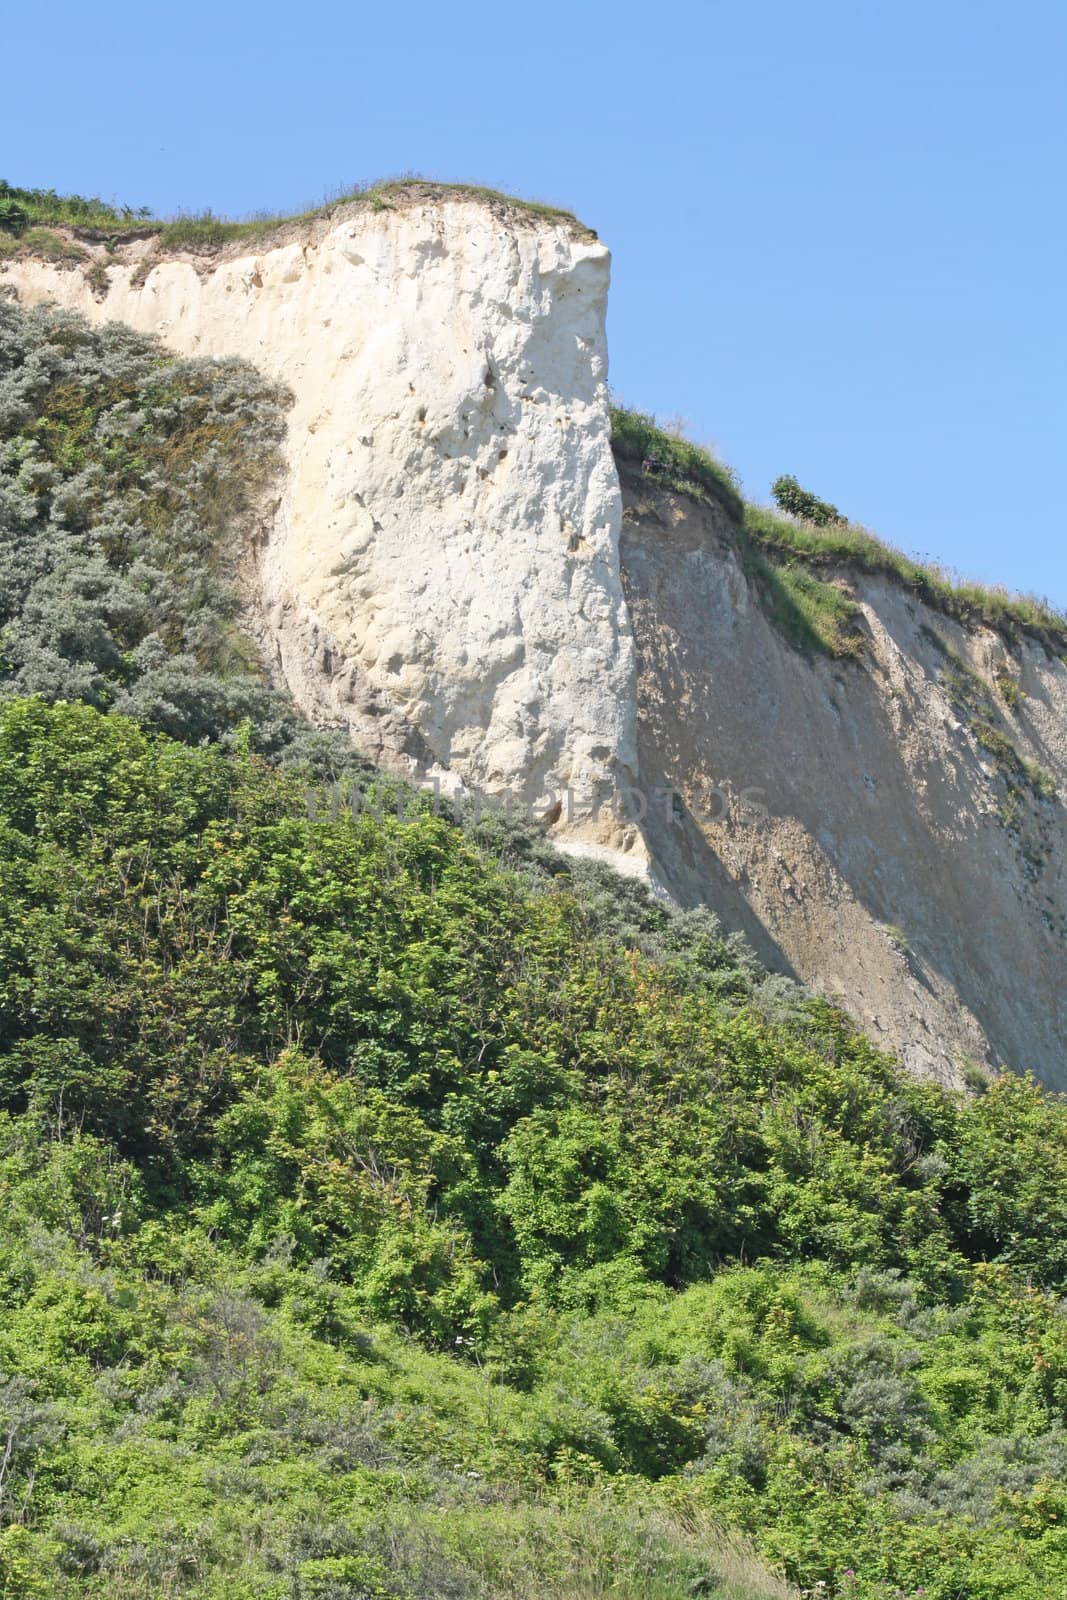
{"x": 885, "y": 830}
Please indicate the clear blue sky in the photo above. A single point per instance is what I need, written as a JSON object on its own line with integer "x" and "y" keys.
{"x": 838, "y": 226}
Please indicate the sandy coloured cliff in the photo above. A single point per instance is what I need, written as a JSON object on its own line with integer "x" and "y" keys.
{"x": 847, "y": 815}
{"x": 457, "y": 571}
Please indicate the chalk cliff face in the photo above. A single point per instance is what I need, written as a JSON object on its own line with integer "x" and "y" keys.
{"x": 448, "y": 572}
{"x": 441, "y": 573}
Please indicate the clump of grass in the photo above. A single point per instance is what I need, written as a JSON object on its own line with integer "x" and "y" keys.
{"x": 1010, "y": 812}
{"x": 974, "y": 703}
{"x": 672, "y": 459}
{"x": 975, "y": 1077}
{"x": 139, "y": 275}
{"x": 98, "y": 278}
{"x": 1012, "y": 766}
{"x": 969, "y": 694}
{"x": 204, "y": 231}
{"x": 43, "y": 243}
{"x": 817, "y": 616}
{"x": 1011, "y": 690}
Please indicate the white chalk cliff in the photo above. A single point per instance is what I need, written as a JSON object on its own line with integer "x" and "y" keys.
{"x": 441, "y": 572}
{"x": 447, "y": 573}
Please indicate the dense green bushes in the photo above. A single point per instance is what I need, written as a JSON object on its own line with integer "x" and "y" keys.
{"x": 273, "y": 1084}
{"x": 129, "y": 482}
{"x": 126, "y": 480}
{"x": 45, "y": 205}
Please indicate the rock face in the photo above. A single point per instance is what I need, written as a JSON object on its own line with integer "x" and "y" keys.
{"x": 845, "y": 815}
{"x": 449, "y": 574}
{"x": 442, "y": 571}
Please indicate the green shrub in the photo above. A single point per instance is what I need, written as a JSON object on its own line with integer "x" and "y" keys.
{"x": 798, "y": 502}
{"x": 13, "y": 217}
{"x": 126, "y": 474}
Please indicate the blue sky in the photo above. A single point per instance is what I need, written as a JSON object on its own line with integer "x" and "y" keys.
{"x": 838, "y": 228}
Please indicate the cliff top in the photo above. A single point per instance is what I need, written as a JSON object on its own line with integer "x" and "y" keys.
{"x": 29, "y": 218}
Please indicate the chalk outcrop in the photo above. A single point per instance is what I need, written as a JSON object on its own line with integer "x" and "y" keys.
{"x": 448, "y": 573}
{"x": 441, "y": 573}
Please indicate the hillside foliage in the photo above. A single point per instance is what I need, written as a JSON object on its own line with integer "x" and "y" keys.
{"x": 390, "y": 1208}
{"x": 129, "y": 482}
{"x": 343, "y": 1168}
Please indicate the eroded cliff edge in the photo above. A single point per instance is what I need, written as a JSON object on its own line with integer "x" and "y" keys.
{"x": 847, "y": 815}
{"x": 448, "y": 573}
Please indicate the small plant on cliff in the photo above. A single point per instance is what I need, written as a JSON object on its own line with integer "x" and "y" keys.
{"x": 97, "y": 278}
{"x": 1011, "y": 690}
{"x": 798, "y": 502}
{"x": 13, "y": 217}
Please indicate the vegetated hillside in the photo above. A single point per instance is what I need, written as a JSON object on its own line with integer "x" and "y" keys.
{"x": 393, "y": 1209}
{"x": 129, "y": 481}
{"x": 373, "y": 1225}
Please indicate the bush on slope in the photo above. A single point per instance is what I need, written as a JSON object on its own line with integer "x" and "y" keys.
{"x": 288, "y": 1099}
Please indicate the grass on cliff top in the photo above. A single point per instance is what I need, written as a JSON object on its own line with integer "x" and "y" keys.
{"x": 44, "y": 243}
{"x": 797, "y": 554}
{"x": 673, "y": 459}
{"x": 206, "y": 231}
